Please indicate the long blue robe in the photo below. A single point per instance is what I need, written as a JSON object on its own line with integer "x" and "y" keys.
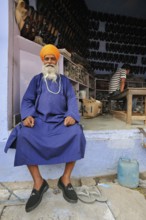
{"x": 49, "y": 141}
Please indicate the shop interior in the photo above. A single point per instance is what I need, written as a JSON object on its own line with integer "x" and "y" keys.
{"x": 92, "y": 43}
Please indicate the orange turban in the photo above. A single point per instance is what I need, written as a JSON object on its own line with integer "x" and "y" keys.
{"x": 49, "y": 49}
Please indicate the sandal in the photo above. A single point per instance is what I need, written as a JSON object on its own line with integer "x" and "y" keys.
{"x": 97, "y": 195}
{"x": 84, "y": 195}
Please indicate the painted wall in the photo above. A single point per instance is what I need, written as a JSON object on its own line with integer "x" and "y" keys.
{"x": 3, "y": 69}
{"x": 104, "y": 148}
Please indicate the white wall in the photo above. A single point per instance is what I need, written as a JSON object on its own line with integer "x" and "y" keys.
{"x": 30, "y": 65}
{"x": 3, "y": 68}
{"x": 19, "y": 62}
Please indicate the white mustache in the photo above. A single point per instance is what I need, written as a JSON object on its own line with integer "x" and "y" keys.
{"x": 46, "y": 65}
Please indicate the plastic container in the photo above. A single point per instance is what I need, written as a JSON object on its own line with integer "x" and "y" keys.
{"x": 82, "y": 94}
{"x": 128, "y": 172}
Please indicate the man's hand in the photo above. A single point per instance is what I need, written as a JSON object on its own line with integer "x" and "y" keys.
{"x": 69, "y": 121}
{"x": 28, "y": 122}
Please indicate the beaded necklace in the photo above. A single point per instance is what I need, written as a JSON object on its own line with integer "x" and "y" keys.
{"x": 59, "y": 89}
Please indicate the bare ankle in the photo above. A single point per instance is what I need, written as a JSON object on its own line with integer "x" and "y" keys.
{"x": 65, "y": 179}
{"x": 37, "y": 184}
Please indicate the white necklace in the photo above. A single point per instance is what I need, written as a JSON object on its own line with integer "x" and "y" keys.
{"x": 58, "y": 88}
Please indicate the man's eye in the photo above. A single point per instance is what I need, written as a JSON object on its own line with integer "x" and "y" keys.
{"x": 51, "y": 59}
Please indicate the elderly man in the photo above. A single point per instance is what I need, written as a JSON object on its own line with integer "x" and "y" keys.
{"x": 49, "y": 132}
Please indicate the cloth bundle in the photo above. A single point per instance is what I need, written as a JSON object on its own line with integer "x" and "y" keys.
{"x": 91, "y": 108}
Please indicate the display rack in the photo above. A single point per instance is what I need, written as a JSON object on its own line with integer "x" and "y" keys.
{"x": 102, "y": 86}
{"x": 82, "y": 81}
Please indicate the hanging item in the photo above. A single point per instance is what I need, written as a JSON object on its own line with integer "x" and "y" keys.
{"x": 20, "y": 13}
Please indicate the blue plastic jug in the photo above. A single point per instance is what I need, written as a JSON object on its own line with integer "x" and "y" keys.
{"x": 128, "y": 172}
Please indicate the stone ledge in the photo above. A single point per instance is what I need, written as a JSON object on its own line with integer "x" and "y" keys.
{"x": 76, "y": 182}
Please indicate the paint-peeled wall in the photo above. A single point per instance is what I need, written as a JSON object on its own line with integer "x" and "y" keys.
{"x": 103, "y": 150}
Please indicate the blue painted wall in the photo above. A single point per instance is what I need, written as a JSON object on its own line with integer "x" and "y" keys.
{"x": 104, "y": 148}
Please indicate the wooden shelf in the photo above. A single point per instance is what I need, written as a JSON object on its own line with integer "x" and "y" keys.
{"x": 70, "y": 68}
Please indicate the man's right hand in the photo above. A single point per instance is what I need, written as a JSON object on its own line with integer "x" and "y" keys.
{"x": 29, "y": 121}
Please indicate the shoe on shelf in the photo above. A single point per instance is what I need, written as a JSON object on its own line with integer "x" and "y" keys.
{"x": 68, "y": 191}
{"x": 36, "y": 197}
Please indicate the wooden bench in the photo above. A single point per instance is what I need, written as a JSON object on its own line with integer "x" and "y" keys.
{"x": 128, "y": 116}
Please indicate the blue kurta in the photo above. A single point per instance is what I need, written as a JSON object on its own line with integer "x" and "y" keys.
{"x": 49, "y": 141}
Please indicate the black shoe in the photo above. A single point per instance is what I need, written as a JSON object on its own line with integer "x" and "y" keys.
{"x": 68, "y": 192}
{"x": 36, "y": 197}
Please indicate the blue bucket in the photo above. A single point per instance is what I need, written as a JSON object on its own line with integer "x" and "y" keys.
{"x": 128, "y": 172}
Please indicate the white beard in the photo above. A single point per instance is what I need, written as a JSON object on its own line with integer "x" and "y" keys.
{"x": 50, "y": 72}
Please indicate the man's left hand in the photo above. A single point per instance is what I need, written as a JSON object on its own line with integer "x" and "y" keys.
{"x": 69, "y": 121}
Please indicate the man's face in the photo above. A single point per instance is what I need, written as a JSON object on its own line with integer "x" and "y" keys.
{"x": 50, "y": 67}
{"x": 50, "y": 59}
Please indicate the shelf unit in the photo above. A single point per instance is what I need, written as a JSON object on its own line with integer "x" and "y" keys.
{"x": 102, "y": 94}
{"x": 102, "y": 86}
{"x": 137, "y": 84}
{"x": 132, "y": 83}
{"x": 82, "y": 81}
